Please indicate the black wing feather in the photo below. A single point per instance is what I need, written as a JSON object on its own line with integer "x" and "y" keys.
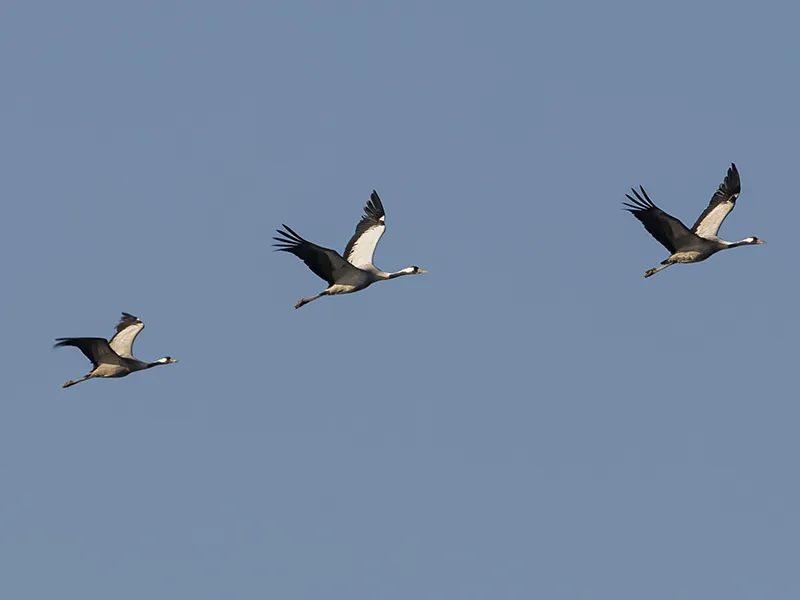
{"x": 126, "y": 321}
{"x": 322, "y": 261}
{"x": 96, "y": 350}
{"x": 664, "y": 227}
{"x": 373, "y": 212}
{"x": 728, "y": 191}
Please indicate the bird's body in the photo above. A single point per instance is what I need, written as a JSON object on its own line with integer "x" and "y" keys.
{"x": 354, "y": 271}
{"x": 114, "y": 357}
{"x": 701, "y": 241}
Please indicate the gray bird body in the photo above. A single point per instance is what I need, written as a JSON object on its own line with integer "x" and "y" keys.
{"x": 701, "y": 241}
{"x": 352, "y": 272}
{"x": 114, "y": 357}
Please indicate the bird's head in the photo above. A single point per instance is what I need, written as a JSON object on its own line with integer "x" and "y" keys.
{"x": 414, "y": 270}
{"x": 167, "y": 360}
{"x": 754, "y": 240}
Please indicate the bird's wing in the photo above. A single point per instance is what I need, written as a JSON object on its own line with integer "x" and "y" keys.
{"x": 96, "y": 350}
{"x": 127, "y": 330}
{"x": 361, "y": 247}
{"x": 324, "y": 262}
{"x": 722, "y": 203}
{"x": 665, "y": 228}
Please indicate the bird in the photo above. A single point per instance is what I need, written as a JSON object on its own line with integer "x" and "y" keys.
{"x": 114, "y": 357}
{"x": 701, "y": 241}
{"x": 349, "y": 273}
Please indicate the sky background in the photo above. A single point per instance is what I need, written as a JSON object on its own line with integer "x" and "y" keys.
{"x": 533, "y": 419}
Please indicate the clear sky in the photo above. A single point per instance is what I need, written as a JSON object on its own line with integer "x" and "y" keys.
{"x": 533, "y": 419}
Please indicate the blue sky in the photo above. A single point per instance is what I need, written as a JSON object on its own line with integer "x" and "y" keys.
{"x": 531, "y": 419}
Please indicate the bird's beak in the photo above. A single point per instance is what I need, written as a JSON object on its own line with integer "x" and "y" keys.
{"x": 761, "y": 242}
{"x": 175, "y": 360}
{"x": 422, "y": 271}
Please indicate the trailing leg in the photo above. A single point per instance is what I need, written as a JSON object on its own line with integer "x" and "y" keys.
{"x": 304, "y": 301}
{"x": 651, "y": 272}
{"x": 77, "y": 381}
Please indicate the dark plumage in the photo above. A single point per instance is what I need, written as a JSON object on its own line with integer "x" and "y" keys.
{"x": 665, "y": 228}
{"x": 96, "y": 350}
{"x": 126, "y": 321}
{"x": 320, "y": 260}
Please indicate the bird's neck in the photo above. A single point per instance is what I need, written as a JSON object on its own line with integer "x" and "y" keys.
{"x": 399, "y": 273}
{"x": 745, "y": 242}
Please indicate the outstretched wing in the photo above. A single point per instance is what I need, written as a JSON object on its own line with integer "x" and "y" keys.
{"x": 324, "y": 262}
{"x": 127, "y": 330}
{"x": 722, "y": 203}
{"x": 665, "y": 228}
{"x": 361, "y": 247}
{"x": 96, "y": 350}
